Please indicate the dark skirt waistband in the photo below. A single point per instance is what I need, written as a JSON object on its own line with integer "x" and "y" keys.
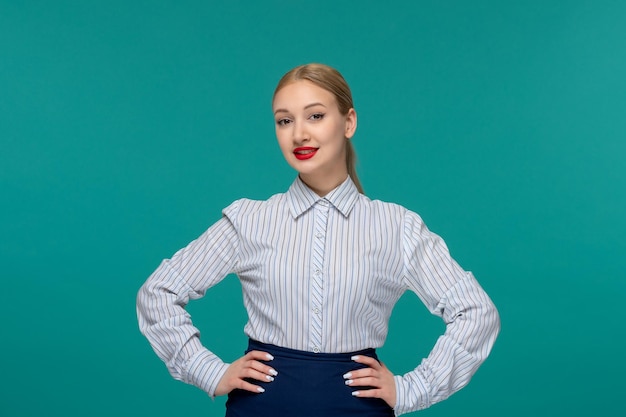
{"x": 308, "y": 384}
{"x": 302, "y": 354}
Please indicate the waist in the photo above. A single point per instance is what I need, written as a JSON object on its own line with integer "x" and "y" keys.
{"x": 283, "y": 352}
{"x": 308, "y": 384}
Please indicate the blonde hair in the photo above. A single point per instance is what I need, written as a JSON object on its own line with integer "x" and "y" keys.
{"x": 330, "y": 80}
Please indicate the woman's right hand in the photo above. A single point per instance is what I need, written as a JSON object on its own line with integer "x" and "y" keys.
{"x": 248, "y": 366}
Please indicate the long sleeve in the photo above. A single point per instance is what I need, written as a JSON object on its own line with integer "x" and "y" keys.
{"x": 162, "y": 299}
{"x": 472, "y": 321}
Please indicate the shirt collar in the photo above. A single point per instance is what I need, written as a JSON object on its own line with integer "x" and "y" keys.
{"x": 301, "y": 197}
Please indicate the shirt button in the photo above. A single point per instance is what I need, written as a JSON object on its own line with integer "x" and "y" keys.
{"x": 319, "y": 235}
{"x": 318, "y": 272}
{"x": 316, "y": 349}
{"x": 316, "y": 311}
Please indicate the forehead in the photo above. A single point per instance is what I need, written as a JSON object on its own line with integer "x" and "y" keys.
{"x": 302, "y": 93}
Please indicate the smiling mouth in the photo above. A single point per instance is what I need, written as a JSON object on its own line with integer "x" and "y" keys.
{"x": 304, "y": 152}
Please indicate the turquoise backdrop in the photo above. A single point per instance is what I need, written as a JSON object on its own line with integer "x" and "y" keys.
{"x": 126, "y": 126}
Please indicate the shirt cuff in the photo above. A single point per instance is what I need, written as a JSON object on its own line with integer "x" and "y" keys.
{"x": 411, "y": 393}
{"x": 205, "y": 370}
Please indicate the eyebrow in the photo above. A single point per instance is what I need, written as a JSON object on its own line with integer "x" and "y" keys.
{"x": 305, "y": 107}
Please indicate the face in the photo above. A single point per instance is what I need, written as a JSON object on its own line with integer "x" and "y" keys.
{"x": 312, "y": 133}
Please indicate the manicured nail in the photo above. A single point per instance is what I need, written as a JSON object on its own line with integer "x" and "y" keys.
{"x": 356, "y": 393}
{"x": 269, "y": 357}
{"x": 348, "y": 381}
{"x": 269, "y": 378}
{"x": 260, "y": 389}
{"x": 355, "y": 357}
{"x": 348, "y": 375}
{"x": 273, "y": 372}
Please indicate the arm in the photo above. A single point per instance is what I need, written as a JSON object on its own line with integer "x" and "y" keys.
{"x": 472, "y": 321}
{"x": 162, "y": 299}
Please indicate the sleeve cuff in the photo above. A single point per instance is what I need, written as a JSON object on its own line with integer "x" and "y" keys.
{"x": 411, "y": 393}
{"x": 205, "y": 370}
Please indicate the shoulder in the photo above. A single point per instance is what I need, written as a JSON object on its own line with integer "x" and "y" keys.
{"x": 380, "y": 206}
{"x": 245, "y": 207}
{"x": 400, "y": 215}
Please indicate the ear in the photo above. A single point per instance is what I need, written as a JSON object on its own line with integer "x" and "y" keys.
{"x": 351, "y": 122}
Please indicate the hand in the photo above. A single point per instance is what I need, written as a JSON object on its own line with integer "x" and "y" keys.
{"x": 377, "y": 376}
{"x": 248, "y": 366}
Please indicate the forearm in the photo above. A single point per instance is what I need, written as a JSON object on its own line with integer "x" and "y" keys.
{"x": 162, "y": 299}
{"x": 472, "y": 327}
{"x": 171, "y": 333}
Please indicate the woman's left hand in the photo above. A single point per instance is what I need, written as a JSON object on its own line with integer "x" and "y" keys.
{"x": 376, "y": 375}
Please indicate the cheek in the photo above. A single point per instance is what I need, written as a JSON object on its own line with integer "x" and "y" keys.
{"x": 339, "y": 138}
{"x": 338, "y": 132}
{"x": 283, "y": 143}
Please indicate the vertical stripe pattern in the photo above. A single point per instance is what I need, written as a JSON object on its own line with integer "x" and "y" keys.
{"x": 318, "y": 273}
{"x": 322, "y": 275}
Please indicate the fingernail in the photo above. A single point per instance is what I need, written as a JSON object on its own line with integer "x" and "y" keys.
{"x": 355, "y": 393}
{"x": 273, "y": 372}
{"x": 355, "y": 357}
{"x": 269, "y": 357}
{"x": 348, "y": 375}
{"x": 269, "y": 378}
{"x": 260, "y": 389}
{"x": 348, "y": 381}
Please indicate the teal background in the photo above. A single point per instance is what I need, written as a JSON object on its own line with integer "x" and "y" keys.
{"x": 125, "y": 127}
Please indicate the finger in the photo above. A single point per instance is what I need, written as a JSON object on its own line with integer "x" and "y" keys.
{"x": 253, "y": 361}
{"x": 360, "y": 373}
{"x": 368, "y": 393}
{"x": 247, "y": 386}
{"x": 364, "y": 382}
{"x": 250, "y": 373}
{"x": 259, "y": 355}
{"x": 367, "y": 360}
{"x": 260, "y": 368}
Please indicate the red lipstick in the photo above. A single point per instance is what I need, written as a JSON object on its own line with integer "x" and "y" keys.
{"x": 304, "y": 152}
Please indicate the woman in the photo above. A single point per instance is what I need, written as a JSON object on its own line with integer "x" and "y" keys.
{"x": 321, "y": 268}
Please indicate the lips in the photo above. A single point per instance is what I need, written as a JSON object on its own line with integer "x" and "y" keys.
{"x": 304, "y": 152}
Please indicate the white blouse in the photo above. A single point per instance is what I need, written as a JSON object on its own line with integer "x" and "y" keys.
{"x": 322, "y": 275}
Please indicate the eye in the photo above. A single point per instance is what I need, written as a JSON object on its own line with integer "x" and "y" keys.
{"x": 283, "y": 122}
{"x": 317, "y": 116}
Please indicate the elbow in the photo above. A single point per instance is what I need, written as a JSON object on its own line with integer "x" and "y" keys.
{"x": 142, "y": 310}
{"x": 491, "y": 326}
{"x": 494, "y": 319}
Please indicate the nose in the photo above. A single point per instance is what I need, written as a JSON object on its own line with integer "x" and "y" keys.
{"x": 300, "y": 135}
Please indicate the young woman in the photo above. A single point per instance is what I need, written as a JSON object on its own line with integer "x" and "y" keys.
{"x": 321, "y": 268}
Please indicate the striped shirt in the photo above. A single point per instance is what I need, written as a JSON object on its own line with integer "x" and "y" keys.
{"x": 322, "y": 275}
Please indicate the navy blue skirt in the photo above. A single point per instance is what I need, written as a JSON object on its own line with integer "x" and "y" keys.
{"x": 307, "y": 385}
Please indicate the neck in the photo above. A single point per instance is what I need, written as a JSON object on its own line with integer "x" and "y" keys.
{"x": 323, "y": 186}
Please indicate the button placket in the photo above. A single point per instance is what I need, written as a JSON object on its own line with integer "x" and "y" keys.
{"x": 317, "y": 282}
